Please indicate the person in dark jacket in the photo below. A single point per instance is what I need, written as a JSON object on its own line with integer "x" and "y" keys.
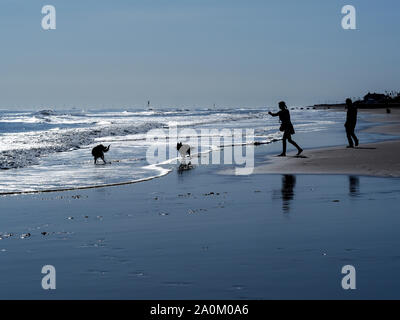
{"x": 350, "y": 125}
{"x": 286, "y": 127}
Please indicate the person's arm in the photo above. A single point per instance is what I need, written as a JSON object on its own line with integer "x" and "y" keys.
{"x": 273, "y": 114}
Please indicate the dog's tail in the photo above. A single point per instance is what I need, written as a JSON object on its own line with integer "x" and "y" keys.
{"x": 105, "y": 149}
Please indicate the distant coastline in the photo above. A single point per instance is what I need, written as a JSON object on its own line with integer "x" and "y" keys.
{"x": 370, "y": 101}
{"x": 360, "y": 106}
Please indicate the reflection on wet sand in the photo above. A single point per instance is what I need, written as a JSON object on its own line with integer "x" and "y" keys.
{"x": 287, "y": 191}
{"x": 354, "y": 186}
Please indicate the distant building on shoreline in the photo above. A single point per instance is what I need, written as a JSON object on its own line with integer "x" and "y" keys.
{"x": 374, "y": 98}
{"x": 370, "y": 100}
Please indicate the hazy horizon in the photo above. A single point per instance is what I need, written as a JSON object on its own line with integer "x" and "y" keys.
{"x": 195, "y": 53}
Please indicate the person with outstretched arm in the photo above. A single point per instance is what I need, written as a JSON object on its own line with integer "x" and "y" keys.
{"x": 351, "y": 122}
{"x": 286, "y": 127}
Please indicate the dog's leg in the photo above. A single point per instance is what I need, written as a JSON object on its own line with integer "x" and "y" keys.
{"x": 95, "y": 160}
{"x": 102, "y": 158}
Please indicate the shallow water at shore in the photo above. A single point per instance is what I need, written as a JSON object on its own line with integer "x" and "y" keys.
{"x": 49, "y": 150}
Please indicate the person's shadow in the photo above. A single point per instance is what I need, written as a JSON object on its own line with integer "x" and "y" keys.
{"x": 287, "y": 191}
{"x": 354, "y": 186}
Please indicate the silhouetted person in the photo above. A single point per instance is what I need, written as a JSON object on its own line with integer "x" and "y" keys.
{"x": 288, "y": 184}
{"x": 351, "y": 122}
{"x": 354, "y": 186}
{"x": 286, "y": 127}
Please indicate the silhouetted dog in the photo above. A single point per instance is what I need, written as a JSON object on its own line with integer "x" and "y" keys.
{"x": 184, "y": 149}
{"x": 98, "y": 152}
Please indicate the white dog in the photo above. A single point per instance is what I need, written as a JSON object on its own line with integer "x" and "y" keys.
{"x": 184, "y": 149}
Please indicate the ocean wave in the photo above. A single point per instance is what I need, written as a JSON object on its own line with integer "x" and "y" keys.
{"x": 45, "y": 113}
{"x": 28, "y": 136}
{"x": 26, "y": 149}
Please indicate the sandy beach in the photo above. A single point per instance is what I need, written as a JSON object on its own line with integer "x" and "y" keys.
{"x": 375, "y": 159}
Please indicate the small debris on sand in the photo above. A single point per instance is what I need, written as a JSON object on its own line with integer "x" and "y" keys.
{"x": 192, "y": 211}
{"x": 185, "y": 195}
{"x": 6, "y": 235}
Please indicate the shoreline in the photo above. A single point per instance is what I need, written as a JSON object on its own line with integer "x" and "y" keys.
{"x": 117, "y": 184}
{"x": 312, "y": 161}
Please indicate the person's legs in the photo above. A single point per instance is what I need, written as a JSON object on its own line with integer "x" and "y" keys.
{"x": 349, "y": 134}
{"x": 300, "y": 150}
{"x": 353, "y": 135}
{"x": 283, "y": 154}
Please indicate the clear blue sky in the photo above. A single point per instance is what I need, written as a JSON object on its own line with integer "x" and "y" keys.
{"x": 195, "y": 52}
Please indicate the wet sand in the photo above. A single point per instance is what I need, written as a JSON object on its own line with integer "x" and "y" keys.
{"x": 393, "y": 121}
{"x": 199, "y": 235}
{"x": 375, "y": 159}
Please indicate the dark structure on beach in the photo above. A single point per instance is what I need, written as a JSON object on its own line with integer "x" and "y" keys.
{"x": 375, "y": 98}
{"x": 370, "y": 101}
